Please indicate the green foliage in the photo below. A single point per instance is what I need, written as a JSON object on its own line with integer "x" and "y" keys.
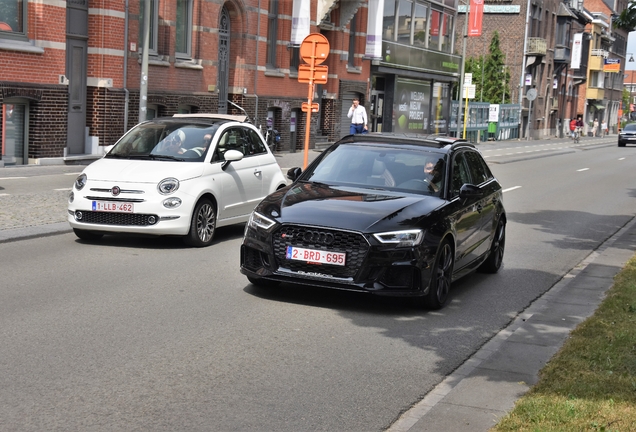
{"x": 627, "y": 19}
{"x": 492, "y": 72}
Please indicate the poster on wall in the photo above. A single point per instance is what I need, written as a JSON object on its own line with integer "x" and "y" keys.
{"x": 411, "y": 109}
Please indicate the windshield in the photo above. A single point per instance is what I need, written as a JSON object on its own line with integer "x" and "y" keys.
{"x": 165, "y": 140}
{"x": 415, "y": 170}
{"x": 630, "y": 127}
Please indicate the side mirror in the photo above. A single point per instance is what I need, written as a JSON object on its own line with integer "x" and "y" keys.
{"x": 231, "y": 156}
{"x": 294, "y": 173}
{"x": 469, "y": 190}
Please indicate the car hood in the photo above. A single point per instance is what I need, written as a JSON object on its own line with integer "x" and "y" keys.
{"x": 141, "y": 171}
{"x": 348, "y": 208}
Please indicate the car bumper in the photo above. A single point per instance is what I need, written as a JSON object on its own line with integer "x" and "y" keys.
{"x": 149, "y": 215}
{"x": 379, "y": 270}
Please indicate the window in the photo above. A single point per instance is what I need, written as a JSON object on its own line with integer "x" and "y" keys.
{"x": 405, "y": 12}
{"x": 184, "y": 29}
{"x": 294, "y": 59}
{"x": 460, "y": 174}
{"x": 272, "y": 34}
{"x": 154, "y": 19}
{"x": 420, "y": 20}
{"x": 13, "y": 22}
{"x": 256, "y": 145}
{"x": 388, "y": 21}
{"x": 352, "y": 41}
{"x": 478, "y": 170}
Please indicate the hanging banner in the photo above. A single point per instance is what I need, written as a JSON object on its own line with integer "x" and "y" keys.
{"x": 435, "y": 22}
{"x": 577, "y": 47}
{"x": 475, "y": 17}
{"x": 374, "y": 29}
{"x": 300, "y": 21}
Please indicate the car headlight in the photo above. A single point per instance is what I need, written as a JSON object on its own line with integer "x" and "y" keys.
{"x": 258, "y": 221}
{"x": 401, "y": 238}
{"x": 168, "y": 186}
{"x": 80, "y": 182}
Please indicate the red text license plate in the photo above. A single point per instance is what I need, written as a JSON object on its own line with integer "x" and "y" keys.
{"x": 116, "y": 207}
{"x": 317, "y": 256}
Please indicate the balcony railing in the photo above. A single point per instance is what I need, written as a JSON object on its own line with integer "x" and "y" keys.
{"x": 536, "y": 46}
{"x": 600, "y": 53}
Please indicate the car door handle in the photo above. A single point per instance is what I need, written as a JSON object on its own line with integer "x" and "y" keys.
{"x": 257, "y": 172}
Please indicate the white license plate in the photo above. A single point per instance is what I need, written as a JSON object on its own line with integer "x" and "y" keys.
{"x": 115, "y": 207}
{"x": 315, "y": 256}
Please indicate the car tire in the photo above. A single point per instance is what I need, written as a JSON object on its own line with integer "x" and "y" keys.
{"x": 202, "y": 224}
{"x": 264, "y": 283}
{"x": 87, "y": 235}
{"x": 441, "y": 276}
{"x": 497, "y": 248}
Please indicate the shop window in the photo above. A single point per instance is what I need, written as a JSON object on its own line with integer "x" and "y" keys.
{"x": 14, "y": 133}
{"x": 154, "y": 20}
{"x": 272, "y": 34}
{"x": 183, "y": 46}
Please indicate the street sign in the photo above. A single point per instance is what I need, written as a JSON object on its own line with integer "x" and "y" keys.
{"x": 531, "y": 94}
{"x": 314, "y": 107}
{"x": 319, "y": 53}
{"x": 469, "y": 91}
{"x": 319, "y": 74}
{"x": 468, "y": 79}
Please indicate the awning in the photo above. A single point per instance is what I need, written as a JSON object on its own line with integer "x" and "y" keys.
{"x": 599, "y": 107}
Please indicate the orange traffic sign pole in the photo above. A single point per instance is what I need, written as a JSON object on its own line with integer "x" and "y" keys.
{"x": 313, "y": 50}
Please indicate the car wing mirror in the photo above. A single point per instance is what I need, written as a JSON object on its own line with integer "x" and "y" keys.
{"x": 231, "y": 156}
{"x": 469, "y": 190}
{"x": 294, "y": 173}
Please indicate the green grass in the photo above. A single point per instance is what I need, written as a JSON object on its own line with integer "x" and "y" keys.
{"x": 590, "y": 384}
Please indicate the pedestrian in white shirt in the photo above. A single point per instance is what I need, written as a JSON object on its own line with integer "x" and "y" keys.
{"x": 358, "y": 116}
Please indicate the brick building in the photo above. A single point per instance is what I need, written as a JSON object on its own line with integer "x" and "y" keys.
{"x": 71, "y": 71}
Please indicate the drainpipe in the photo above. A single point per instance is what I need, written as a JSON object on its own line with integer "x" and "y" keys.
{"x": 127, "y": 100}
{"x": 258, "y": 35}
{"x": 523, "y": 70}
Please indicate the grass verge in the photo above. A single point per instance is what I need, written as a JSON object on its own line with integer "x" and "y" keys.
{"x": 590, "y": 384}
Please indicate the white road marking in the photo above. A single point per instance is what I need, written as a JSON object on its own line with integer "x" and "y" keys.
{"x": 12, "y": 178}
{"x": 621, "y": 158}
{"x": 511, "y": 189}
{"x": 63, "y": 189}
{"x": 77, "y": 173}
{"x": 582, "y": 169}
{"x": 3, "y": 194}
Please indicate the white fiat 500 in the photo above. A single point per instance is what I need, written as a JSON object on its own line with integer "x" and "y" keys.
{"x": 183, "y": 175}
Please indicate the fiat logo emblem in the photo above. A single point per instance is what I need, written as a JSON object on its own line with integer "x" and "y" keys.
{"x": 115, "y": 190}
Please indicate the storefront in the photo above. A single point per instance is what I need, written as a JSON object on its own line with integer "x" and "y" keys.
{"x": 412, "y": 76}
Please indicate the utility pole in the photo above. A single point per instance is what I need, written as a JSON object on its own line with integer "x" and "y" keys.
{"x": 461, "y": 76}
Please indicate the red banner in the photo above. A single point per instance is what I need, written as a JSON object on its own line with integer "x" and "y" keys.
{"x": 435, "y": 21}
{"x": 475, "y": 17}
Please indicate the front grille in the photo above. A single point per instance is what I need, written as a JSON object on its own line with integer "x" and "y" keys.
{"x": 400, "y": 277}
{"x": 106, "y": 218}
{"x": 252, "y": 259}
{"x": 353, "y": 244}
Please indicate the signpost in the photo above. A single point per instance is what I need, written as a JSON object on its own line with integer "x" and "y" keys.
{"x": 314, "y": 51}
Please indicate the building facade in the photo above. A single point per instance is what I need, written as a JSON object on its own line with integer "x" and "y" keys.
{"x": 71, "y": 70}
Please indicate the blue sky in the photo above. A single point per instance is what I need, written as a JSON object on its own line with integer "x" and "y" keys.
{"x": 631, "y": 49}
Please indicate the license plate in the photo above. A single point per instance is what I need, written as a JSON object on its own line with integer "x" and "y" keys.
{"x": 115, "y": 207}
{"x": 315, "y": 256}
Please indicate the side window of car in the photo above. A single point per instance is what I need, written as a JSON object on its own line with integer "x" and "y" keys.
{"x": 254, "y": 142}
{"x": 460, "y": 174}
{"x": 222, "y": 147}
{"x": 477, "y": 168}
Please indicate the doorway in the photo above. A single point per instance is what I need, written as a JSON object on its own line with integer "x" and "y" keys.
{"x": 76, "y": 59}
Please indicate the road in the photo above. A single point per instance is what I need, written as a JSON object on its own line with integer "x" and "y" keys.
{"x": 135, "y": 333}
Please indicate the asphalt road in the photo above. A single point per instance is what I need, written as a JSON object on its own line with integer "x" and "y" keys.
{"x": 134, "y": 333}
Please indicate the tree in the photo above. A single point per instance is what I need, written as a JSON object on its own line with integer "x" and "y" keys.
{"x": 627, "y": 19}
{"x": 492, "y": 72}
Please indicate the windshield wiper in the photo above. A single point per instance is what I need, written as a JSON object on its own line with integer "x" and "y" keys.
{"x": 169, "y": 157}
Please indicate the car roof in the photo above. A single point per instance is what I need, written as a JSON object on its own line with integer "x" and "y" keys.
{"x": 432, "y": 141}
{"x": 238, "y": 118}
